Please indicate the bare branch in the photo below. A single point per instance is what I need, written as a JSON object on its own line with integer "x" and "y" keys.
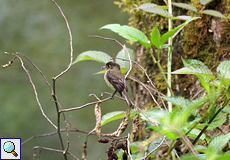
{"x": 128, "y": 143}
{"x": 37, "y": 69}
{"x": 150, "y": 81}
{"x": 144, "y": 85}
{"x": 71, "y": 45}
{"x": 87, "y": 104}
{"x": 35, "y": 91}
{"x": 55, "y": 150}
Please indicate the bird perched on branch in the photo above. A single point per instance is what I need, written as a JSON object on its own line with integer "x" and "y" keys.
{"x": 116, "y": 80}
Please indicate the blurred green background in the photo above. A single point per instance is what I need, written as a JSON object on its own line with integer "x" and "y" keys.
{"x": 37, "y": 29}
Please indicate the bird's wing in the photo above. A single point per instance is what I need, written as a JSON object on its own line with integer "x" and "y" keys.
{"x": 117, "y": 83}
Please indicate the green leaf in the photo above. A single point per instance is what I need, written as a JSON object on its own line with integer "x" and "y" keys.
{"x": 179, "y": 101}
{"x": 153, "y": 8}
{"x": 225, "y": 156}
{"x": 134, "y": 146}
{"x": 204, "y": 2}
{"x": 167, "y": 46}
{"x": 112, "y": 116}
{"x": 213, "y": 13}
{"x": 219, "y": 141}
{"x": 195, "y": 67}
{"x": 168, "y": 34}
{"x": 187, "y": 62}
{"x": 192, "y": 106}
{"x": 185, "y": 6}
{"x": 223, "y": 71}
{"x": 154, "y": 115}
{"x": 93, "y": 55}
{"x": 219, "y": 119}
{"x": 183, "y": 17}
{"x": 129, "y": 33}
{"x": 226, "y": 109}
{"x": 205, "y": 83}
{"x": 216, "y": 83}
{"x": 155, "y": 37}
{"x": 122, "y": 54}
{"x": 192, "y": 157}
{"x": 200, "y": 148}
{"x": 195, "y": 132}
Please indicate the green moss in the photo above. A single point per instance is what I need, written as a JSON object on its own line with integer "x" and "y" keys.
{"x": 196, "y": 41}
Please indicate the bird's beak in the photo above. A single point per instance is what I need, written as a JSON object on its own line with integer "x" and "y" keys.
{"x": 103, "y": 67}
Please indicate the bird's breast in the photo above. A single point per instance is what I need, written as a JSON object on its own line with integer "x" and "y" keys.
{"x": 107, "y": 82}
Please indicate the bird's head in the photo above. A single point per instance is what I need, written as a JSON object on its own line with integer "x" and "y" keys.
{"x": 111, "y": 65}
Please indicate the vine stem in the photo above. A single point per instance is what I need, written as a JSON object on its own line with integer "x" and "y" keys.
{"x": 169, "y": 94}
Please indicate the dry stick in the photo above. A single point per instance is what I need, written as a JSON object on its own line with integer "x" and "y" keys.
{"x": 71, "y": 45}
{"x": 189, "y": 144}
{"x": 155, "y": 148}
{"x": 59, "y": 123}
{"x": 34, "y": 88}
{"x": 144, "y": 85}
{"x": 37, "y": 69}
{"x": 150, "y": 81}
{"x": 87, "y": 104}
{"x": 36, "y": 92}
{"x": 55, "y": 98}
{"x": 97, "y": 112}
{"x": 53, "y": 133}
{"x": 130, "y": 61}
{"x": 55, "y": 78}
{"x": 128, "y": 147}
{"x": 197, "y": 94}
{"x": 55, "y": 150}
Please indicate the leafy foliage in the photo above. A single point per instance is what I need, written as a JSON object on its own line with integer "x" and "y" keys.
{"x": 153, "y": 8}
{"x": 129, "y": 33}
{"x": 185, "y": 6}
{"x": 184, "y": 121}
{"x": 104, "y": 58}
{"x": 213, "y": 13}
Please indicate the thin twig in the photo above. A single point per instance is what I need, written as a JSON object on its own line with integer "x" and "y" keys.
{"x": 147, "y": 90}
{"x": 71, "y": 45}
{"x": 37, "y": 69}
{"x": 55, "y": 78}
{"x": 53, "y": 133}
{"x": 87, "y": 104}
{"x": 128, "y": 143}
{"x": 111, "y": 39}
{"x": 55, "y": 150}
{"x": 34, "y": 88}
{"x": 150, "y": 81}
{"x": 146, "y": 116}
{"x": 155, "y": 148}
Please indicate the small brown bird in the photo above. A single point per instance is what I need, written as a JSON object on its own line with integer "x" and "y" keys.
{"x": 116, "y": 80}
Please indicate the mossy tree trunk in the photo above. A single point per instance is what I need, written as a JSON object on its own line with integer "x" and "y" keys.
{"x": 206, "y": 39}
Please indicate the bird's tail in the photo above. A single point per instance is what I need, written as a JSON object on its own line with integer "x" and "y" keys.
{"x": 129, "y": 102}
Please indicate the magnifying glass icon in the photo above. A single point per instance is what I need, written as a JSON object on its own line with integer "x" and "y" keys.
{"x": 9, "y": 147}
